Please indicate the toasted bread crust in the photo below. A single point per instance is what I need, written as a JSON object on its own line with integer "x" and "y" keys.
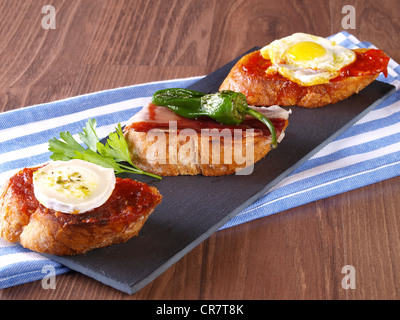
{"x": 263, "y": 91}
{"x": 196, "y": 154}
{"x": 24, "y": 220}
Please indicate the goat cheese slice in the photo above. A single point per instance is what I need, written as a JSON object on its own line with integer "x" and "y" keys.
{"x": 74, "y": 186}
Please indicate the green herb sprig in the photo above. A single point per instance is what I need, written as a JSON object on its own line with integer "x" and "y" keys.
{"x": 110, "y": 155}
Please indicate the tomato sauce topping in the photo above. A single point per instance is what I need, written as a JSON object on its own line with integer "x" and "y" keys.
{"x": 368, "y": 61}
{"x": 256, "y": 65}
{"x": 127, "y": 202}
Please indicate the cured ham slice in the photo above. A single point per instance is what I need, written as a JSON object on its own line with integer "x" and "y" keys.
{"x": 166, "y": 144}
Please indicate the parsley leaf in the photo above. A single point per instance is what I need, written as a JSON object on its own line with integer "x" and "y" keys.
{"x": 109, "y": 155}
{"x": 64, "y": 150}
{"x": 89, "y": 136}
{"x": 116, "y": 146}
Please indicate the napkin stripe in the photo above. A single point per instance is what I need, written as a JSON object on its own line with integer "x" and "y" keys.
{"x": 88, "y": 101}
{"x": 22, "y": 255}
{"x": 367, "y": 152}
{"x": 273, "y": 203}
{"x": 73, "y": 126}
{"x": 18, "y": 267}
{"x": 365, "y": 137}
{"x": 5, "y": 244}
{"x": 325, "y": 171}
{"x": 22, "y": 131}
{"x": 13, "y": 250}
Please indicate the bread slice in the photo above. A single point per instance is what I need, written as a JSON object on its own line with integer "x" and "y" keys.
{"x": 263, "y": 90}
{"x": 23, "y": 219}
{"x": 171, "y": 145}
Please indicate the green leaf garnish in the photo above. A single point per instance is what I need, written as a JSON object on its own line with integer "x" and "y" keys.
{"x": 89, "y": 136}
{"x": 109, "y": 155}
{"x": 64, "y": 150}
{"x": 116, "y": 146}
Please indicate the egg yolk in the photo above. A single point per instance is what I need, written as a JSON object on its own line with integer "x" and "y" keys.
{"x": 306, "y": 51}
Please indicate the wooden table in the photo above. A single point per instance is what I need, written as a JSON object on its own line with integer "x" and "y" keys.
{"x": 104, "y": 44}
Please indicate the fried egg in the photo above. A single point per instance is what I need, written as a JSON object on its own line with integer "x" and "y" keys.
{"x": 74, "y": 186}
{"x": 306, "y": 59}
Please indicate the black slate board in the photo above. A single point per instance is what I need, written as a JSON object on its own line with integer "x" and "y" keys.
{"x": 194, "y": 207}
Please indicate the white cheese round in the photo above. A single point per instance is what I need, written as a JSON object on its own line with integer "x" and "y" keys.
{"x": 74, "y": 186}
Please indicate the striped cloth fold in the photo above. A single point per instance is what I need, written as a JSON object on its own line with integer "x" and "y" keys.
{"x": 366, "y": 153}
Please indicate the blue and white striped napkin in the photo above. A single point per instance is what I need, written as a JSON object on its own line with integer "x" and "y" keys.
{"x": 366, "y": 153}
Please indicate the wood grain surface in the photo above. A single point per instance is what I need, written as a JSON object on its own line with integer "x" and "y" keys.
{"x": 104, "y": 44}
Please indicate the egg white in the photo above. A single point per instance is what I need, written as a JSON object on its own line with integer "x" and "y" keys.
{"x": 312, "y": 71}
{"x": 74, "y": 186}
